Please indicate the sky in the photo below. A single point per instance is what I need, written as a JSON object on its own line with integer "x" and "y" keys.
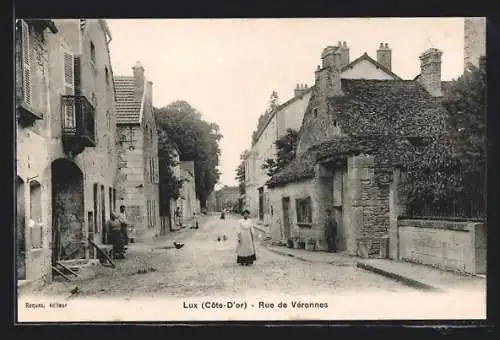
{"x": 227, "y": 68}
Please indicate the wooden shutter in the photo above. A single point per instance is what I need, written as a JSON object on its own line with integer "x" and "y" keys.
{"x": 69, "y": 89}
{"x": 27, "y": 59}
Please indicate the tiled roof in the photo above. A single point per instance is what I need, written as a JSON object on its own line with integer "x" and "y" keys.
{"x": 379, "y": 117}
{"x": 127, "y": 107}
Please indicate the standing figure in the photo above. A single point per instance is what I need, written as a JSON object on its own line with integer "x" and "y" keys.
{"x": 115, "y": 228}
{"x": 331, "y": 231}
{"x": 177, "y": 216}
{"x": 245, "y": 251}
{"x": 124, "y": 224}
{"x": 195, "y": 221}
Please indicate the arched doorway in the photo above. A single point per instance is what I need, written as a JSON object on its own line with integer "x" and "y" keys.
{"x": 67, "y": 211}
{"x": 20, "y": 230}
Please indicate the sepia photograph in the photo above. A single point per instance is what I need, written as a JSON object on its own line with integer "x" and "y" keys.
{"x": 285, "y": 169}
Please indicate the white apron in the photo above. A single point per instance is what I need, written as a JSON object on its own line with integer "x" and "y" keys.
{"x": 245, "y": 245}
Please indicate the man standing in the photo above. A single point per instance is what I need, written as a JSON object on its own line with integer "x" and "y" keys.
{"x": 114, "y": 226}
{"x": 178, "y": 215}
{"x": 331, "y": 231}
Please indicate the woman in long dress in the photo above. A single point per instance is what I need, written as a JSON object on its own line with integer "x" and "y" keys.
{"x": 245, "y": 251}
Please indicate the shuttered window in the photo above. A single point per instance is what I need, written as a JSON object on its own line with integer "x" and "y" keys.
{"x": 27, "y": 60}
{"x": 69, "y": 88}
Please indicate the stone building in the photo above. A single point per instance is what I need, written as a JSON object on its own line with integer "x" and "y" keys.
{"x": 137, "y": 184}
{"x": 33, "y": 154}
{"x": 355, "y": 134}
{"x": 70, "y": 149}
{"x": 474, "y": 40}
{"x": 187, "y": 200}
{"x": 226, "y": 197}
{"x": 290, "y": 115}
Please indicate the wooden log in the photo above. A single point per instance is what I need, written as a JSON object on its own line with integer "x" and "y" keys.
{"x": 67, "y": 268}
{"x": 55, "y": 269}
{"x": 103, "y": 253}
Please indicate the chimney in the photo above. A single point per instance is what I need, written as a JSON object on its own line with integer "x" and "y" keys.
{"x": 344, "y": 55}
{"x": 300, "y": 89}
{"x": 138, "y": 71}
{"x": 150, "y": 90}
{"x": 430, "y": 71}
{"x": 384, "y": 55}
{"x": 327, "y": 78}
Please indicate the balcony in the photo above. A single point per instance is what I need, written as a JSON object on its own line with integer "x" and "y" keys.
{"x": 78, "y": 124}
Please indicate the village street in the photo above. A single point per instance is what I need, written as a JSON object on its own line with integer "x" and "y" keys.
{"x": 205, "y": 266}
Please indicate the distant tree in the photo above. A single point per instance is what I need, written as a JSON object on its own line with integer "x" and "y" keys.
{"x": 286, "y": 147}
{"x": 273, "y": 103}
{"x": 196, "y": 139}
{"x": 240, "y": 172}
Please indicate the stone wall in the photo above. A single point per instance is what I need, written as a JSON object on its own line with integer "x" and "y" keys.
{"x": 459, "y": 246}
{"x": 99, "y": 163}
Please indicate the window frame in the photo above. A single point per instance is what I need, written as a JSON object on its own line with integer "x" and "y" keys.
{"x": 299, "y": 211}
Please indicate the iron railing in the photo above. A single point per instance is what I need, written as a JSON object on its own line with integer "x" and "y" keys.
{"x": 78, "y": 117}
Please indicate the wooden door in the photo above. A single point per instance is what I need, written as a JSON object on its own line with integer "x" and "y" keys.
{"x": 286, "y": 217}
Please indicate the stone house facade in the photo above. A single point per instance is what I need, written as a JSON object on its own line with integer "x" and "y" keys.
{"x": 287, "y": 115}
{"x": 474, "y": 40}
{"x": 70, "y": 150}
{"x": 355, "y": 134}
{"x": 226, "y": 197}
{"x": 138, "y": 178}
{"x": 33, "y": 133}
{"x": 290, "y": 115}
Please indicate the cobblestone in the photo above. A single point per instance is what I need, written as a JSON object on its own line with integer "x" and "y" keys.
{"x": 205, "y": 266}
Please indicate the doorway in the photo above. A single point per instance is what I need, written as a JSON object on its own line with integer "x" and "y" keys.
{"x": 68, "y": 212}
{"x": 286, "y": 217}
{"x": 261, "y": 203}
{"x": 20, "y": 230}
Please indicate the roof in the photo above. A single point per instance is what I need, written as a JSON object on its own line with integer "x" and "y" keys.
{"x": 300, "y": 168}
{"x": 127, "y": 107}
{"x": 366, "y": 57}
{"x": 379, "y": 117}
{"x": 279, "y": 107}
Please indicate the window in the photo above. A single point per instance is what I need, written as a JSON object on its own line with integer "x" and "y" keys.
{"x": 92, "y": 54}
{"x": 334, "y": 123}
{"x": 303, "y": 207}
{"x": 35, "y": 223}
{"x": 315, "y": 112}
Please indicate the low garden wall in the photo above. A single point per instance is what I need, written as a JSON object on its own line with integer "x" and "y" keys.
{"x": 451, "y": 245}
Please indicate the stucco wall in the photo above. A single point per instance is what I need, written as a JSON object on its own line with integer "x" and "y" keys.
{"x": 99, "y": 163}
{"x": 457, "y": 246}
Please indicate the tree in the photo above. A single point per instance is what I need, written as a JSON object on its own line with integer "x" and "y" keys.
{"x": 170, "y": 185}
{"x": 196, "y": 139}
{"x": 273, "y": 104}
{"x": 465, "y": 103}
{"x": 240, "y": 172}
{"x": 457, "y": 185}
{"x": 286, "y": 147}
